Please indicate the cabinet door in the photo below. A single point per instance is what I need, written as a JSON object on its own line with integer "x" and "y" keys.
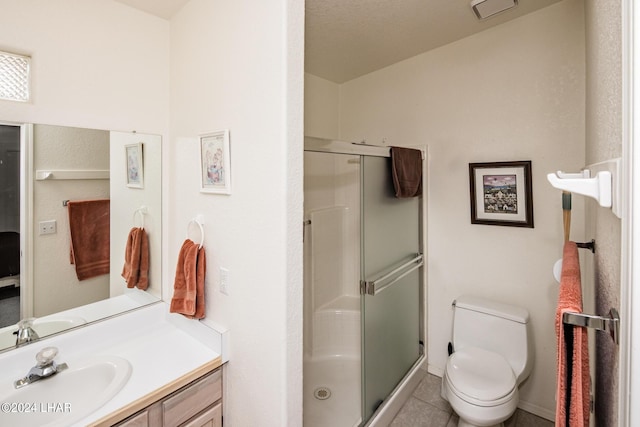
{"x": 139, "y": 420}
{"x": 197, "y": 397}
{"x": 211, "y": 417}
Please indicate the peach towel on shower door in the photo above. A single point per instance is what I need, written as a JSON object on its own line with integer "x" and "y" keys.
{"x": 572, "y": 391}
{"x": 89, "y": 229}
{"x": 188, "y": 287}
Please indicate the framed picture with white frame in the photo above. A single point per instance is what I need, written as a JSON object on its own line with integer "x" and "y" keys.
{"x": 135, "y": 165}
{"x": 215, "y": 162}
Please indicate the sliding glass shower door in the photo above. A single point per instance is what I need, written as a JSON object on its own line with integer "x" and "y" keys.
{"x": 363, "y": 288}
{"x": 390, "y": 283}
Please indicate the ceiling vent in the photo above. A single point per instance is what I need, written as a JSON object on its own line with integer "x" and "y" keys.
{"x": 487, "y": 8}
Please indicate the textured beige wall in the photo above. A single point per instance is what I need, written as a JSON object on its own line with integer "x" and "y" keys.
{"x": 55, "y": 284}
{"x": 604, "y": 142}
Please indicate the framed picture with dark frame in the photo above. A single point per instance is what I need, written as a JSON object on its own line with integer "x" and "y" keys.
{"x": 501, "y": 193}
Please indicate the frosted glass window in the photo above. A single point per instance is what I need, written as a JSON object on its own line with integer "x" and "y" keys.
{"x": 14, "y": 77}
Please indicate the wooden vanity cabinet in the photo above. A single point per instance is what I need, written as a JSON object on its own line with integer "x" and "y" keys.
{"x": 198, "y": 404}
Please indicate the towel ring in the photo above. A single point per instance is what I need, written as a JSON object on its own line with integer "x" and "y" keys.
{"x": 198, "y": 222}
{"x": 142, "y": 211}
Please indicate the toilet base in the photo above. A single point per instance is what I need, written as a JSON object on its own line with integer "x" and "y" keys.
{"x": 463, "y": 423}
{"x": 482, "y": 416}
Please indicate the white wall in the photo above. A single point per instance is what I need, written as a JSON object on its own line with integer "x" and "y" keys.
{"x": 513, "y": 92}
{"x": 95, "y": 63}
{"x": 321, "y": 107}
{"x": 234, "y": 66}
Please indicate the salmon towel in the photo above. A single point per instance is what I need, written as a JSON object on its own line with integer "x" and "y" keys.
{"x": 136, "y": 259}
{"x": 572, "y": 391}
{"x": 89, "y": 228}
{"x": 188, "y": 287}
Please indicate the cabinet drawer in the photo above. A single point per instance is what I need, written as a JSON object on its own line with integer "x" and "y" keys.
{"x": 186, "y": 403}
{"x": 211, "y": 417}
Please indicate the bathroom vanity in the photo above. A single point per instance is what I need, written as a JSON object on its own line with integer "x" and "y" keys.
{"x": 172, "y": 367}
{"x": 197, "y": 404}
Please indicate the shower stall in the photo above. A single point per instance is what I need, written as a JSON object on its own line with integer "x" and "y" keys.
{"x": 363, "y": 285}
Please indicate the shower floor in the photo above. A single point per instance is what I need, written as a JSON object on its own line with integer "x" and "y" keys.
{"x": 341, "y": 376}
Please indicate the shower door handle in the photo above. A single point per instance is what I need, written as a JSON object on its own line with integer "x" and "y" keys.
{"x": 374, "y": 287}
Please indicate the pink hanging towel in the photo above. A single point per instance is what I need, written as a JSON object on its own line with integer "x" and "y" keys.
{"x": 572, "y": 392}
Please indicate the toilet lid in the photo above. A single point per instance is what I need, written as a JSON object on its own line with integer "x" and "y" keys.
{"x": 480, "y": 374}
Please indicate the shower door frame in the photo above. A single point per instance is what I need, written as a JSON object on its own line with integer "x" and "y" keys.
{"x": 385, "y": 413}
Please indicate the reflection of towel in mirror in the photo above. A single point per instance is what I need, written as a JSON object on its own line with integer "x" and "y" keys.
{"x": 406, "y": 169}
{"x": 89, "y": 229}
{"x": 136, "y": 259}
{"x": 188, "y": 287}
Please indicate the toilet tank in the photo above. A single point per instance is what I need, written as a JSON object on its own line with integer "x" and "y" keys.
{"x": 497, "y": 327}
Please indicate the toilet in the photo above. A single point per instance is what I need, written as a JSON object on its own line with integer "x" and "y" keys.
{"x": 492, "y": 355}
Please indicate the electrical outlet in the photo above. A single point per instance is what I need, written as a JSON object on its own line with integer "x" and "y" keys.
{"x": 47, "y": 227}
{"x": 224, "y": 280}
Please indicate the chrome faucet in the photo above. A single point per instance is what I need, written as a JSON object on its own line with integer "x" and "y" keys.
{"x": 45, "y": 368}
{"x": 25, "y": 333}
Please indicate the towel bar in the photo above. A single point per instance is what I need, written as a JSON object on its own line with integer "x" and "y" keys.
{"x": 373, "y": 287}
{"x": 199, "y": 221}
{"x": 588, "y": 245}
{"x": 610, "y": 324}
{"x": 141, "y": 211}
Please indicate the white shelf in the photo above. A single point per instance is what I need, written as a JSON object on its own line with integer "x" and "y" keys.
{"x": 47, "y": 175}
{"x": 599, "y": 181}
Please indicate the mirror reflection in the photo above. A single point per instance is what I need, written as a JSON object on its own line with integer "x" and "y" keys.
{"x": 83, "y": 206}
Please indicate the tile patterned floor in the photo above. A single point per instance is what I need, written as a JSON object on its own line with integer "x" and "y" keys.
{"x": 425, "y": 408}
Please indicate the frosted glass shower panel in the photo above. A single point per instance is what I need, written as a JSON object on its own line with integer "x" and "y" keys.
{"x": 391, "y": 317}
{"x": 390, "y": 226}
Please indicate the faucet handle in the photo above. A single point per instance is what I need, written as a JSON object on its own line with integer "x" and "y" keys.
{"x": 25, "y": 333}
{"x": 26, "y": 323}
{"x": 46, "y": 355}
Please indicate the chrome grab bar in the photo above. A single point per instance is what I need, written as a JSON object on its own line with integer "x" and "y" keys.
{"x": 609, "y": 324}
{"x": 373, "y": 287}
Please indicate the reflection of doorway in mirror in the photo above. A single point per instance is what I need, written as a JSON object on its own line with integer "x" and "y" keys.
{"x": 9, "y": 225}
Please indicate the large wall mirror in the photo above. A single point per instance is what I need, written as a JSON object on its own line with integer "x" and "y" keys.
{"x": 70, "y": 200}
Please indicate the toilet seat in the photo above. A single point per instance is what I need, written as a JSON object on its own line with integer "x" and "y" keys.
{"x": 480, "y": 377}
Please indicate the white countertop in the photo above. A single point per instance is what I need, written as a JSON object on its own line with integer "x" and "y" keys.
{"x": 160, "y": 346}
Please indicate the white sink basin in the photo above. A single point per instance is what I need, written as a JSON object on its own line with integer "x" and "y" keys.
{"x": 42, "y": 326}
{"x": 67, "y": 396}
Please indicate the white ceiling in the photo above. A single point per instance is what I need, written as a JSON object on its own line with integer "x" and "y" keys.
{"x": 345, "y": 39}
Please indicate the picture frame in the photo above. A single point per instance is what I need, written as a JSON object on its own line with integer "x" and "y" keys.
{"x": 215, "y": 162}
{"x": 501, "y": 193}
{"x": 134, "y": 165}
